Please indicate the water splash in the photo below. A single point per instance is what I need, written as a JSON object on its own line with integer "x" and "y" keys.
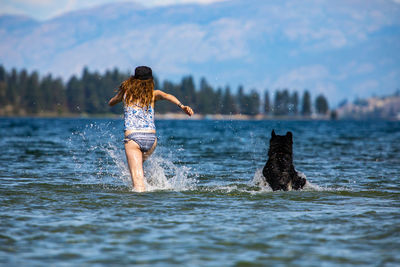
{"x": 314, "y": 187}
{"x": 163, "y": 174}
{"x": 258, "y": 180}
{"x": 99, "y": 158}
{"x": 91, "y": 147}
{"x": 118, "y": 157}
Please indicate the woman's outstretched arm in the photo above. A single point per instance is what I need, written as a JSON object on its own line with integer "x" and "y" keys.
{"x": 160, "y": 95}
{"x": 117, "y": 98}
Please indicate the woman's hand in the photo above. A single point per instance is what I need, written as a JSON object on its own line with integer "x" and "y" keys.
{"x": 188, "y": 110}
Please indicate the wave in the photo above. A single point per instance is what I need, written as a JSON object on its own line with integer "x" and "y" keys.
{"x": 163, "y": 174}
{"x": 258, "y": 180}
{"x": 99, "y": 157}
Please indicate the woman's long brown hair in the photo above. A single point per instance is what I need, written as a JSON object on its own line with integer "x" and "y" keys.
{"x": 138, "y": 92}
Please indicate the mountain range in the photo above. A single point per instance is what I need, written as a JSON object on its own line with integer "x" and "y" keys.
{"x": 344, "y": 48}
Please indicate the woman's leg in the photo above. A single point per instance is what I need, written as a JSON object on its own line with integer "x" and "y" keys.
{"x": 147, "y": 154}
{"x": 135, "y": 163}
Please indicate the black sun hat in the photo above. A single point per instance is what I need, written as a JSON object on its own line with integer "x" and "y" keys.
{"x": 143, "y": 73}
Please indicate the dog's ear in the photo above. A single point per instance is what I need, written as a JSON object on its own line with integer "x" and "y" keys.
{"x": 273, "y": 133}
{"x": 289, "y": 135}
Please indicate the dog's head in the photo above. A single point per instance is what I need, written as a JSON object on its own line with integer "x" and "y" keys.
{"x": 281, "y": 144}
{"x": 281, "y": 158}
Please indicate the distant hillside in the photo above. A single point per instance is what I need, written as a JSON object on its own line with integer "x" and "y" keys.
{"x": 372, "y": 108}
{"x": 303, "y": 45}
{"x": 123, "y": 35}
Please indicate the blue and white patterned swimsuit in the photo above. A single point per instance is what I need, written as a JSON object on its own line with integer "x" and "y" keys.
{"x": 139, "y": 119}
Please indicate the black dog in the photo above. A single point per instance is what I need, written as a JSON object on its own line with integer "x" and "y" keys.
{"x": 279, "y": 171}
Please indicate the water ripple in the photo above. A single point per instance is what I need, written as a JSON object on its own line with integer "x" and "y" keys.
{"x": 67, "y": 198}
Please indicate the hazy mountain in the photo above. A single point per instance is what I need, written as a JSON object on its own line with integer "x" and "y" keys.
{"x": 340, "y": 48}
{"x": 119, "y": 35}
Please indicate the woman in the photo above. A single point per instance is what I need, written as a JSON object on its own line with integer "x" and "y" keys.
{"x": 139, "y": 96}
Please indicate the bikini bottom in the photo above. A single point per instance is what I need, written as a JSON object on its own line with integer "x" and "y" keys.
{"x": 144, "y": 140}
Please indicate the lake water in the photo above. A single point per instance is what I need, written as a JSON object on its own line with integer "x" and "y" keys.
{"x": 67, "y": 200}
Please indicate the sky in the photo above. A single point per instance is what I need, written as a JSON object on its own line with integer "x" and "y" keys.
{"x": 342, "y": 48}
{"x": 46, "y": 9}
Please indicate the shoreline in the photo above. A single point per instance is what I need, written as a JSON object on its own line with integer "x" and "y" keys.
{"x": 169, "y": 116}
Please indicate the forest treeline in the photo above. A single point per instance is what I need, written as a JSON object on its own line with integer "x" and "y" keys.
{"x": 23, "y": 93}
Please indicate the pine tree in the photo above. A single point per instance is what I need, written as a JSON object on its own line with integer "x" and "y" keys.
{"x": 12, "y": 90}
{"x": 46, "y": 88}
{"x": 240, "y": 99}
{"x": 285, "y": 102}
{"x": 92, "y": 99}
{"x": 267, "y": 105}
{"x": 281, "y": 104}
{"x": 3, "y": 87}
{"x": 11, "y": 87}
{"x": 206, "y": 98}
{"x": 59, "y": 98}
{"x": 228, "y": 103}
{"x": 33, "y": 97}
{"x": 306, "y": 104}
{"x": 188, "y": 91}
{"x": 294, "y": 104}
{"x": 75, "y": 95}
{"x": 253, "y": 103}
{"x": 321, "y": 105}
{"x": 218, "y": 101}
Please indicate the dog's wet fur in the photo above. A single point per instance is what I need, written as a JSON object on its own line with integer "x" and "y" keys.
{"x": 279, "y": 171}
